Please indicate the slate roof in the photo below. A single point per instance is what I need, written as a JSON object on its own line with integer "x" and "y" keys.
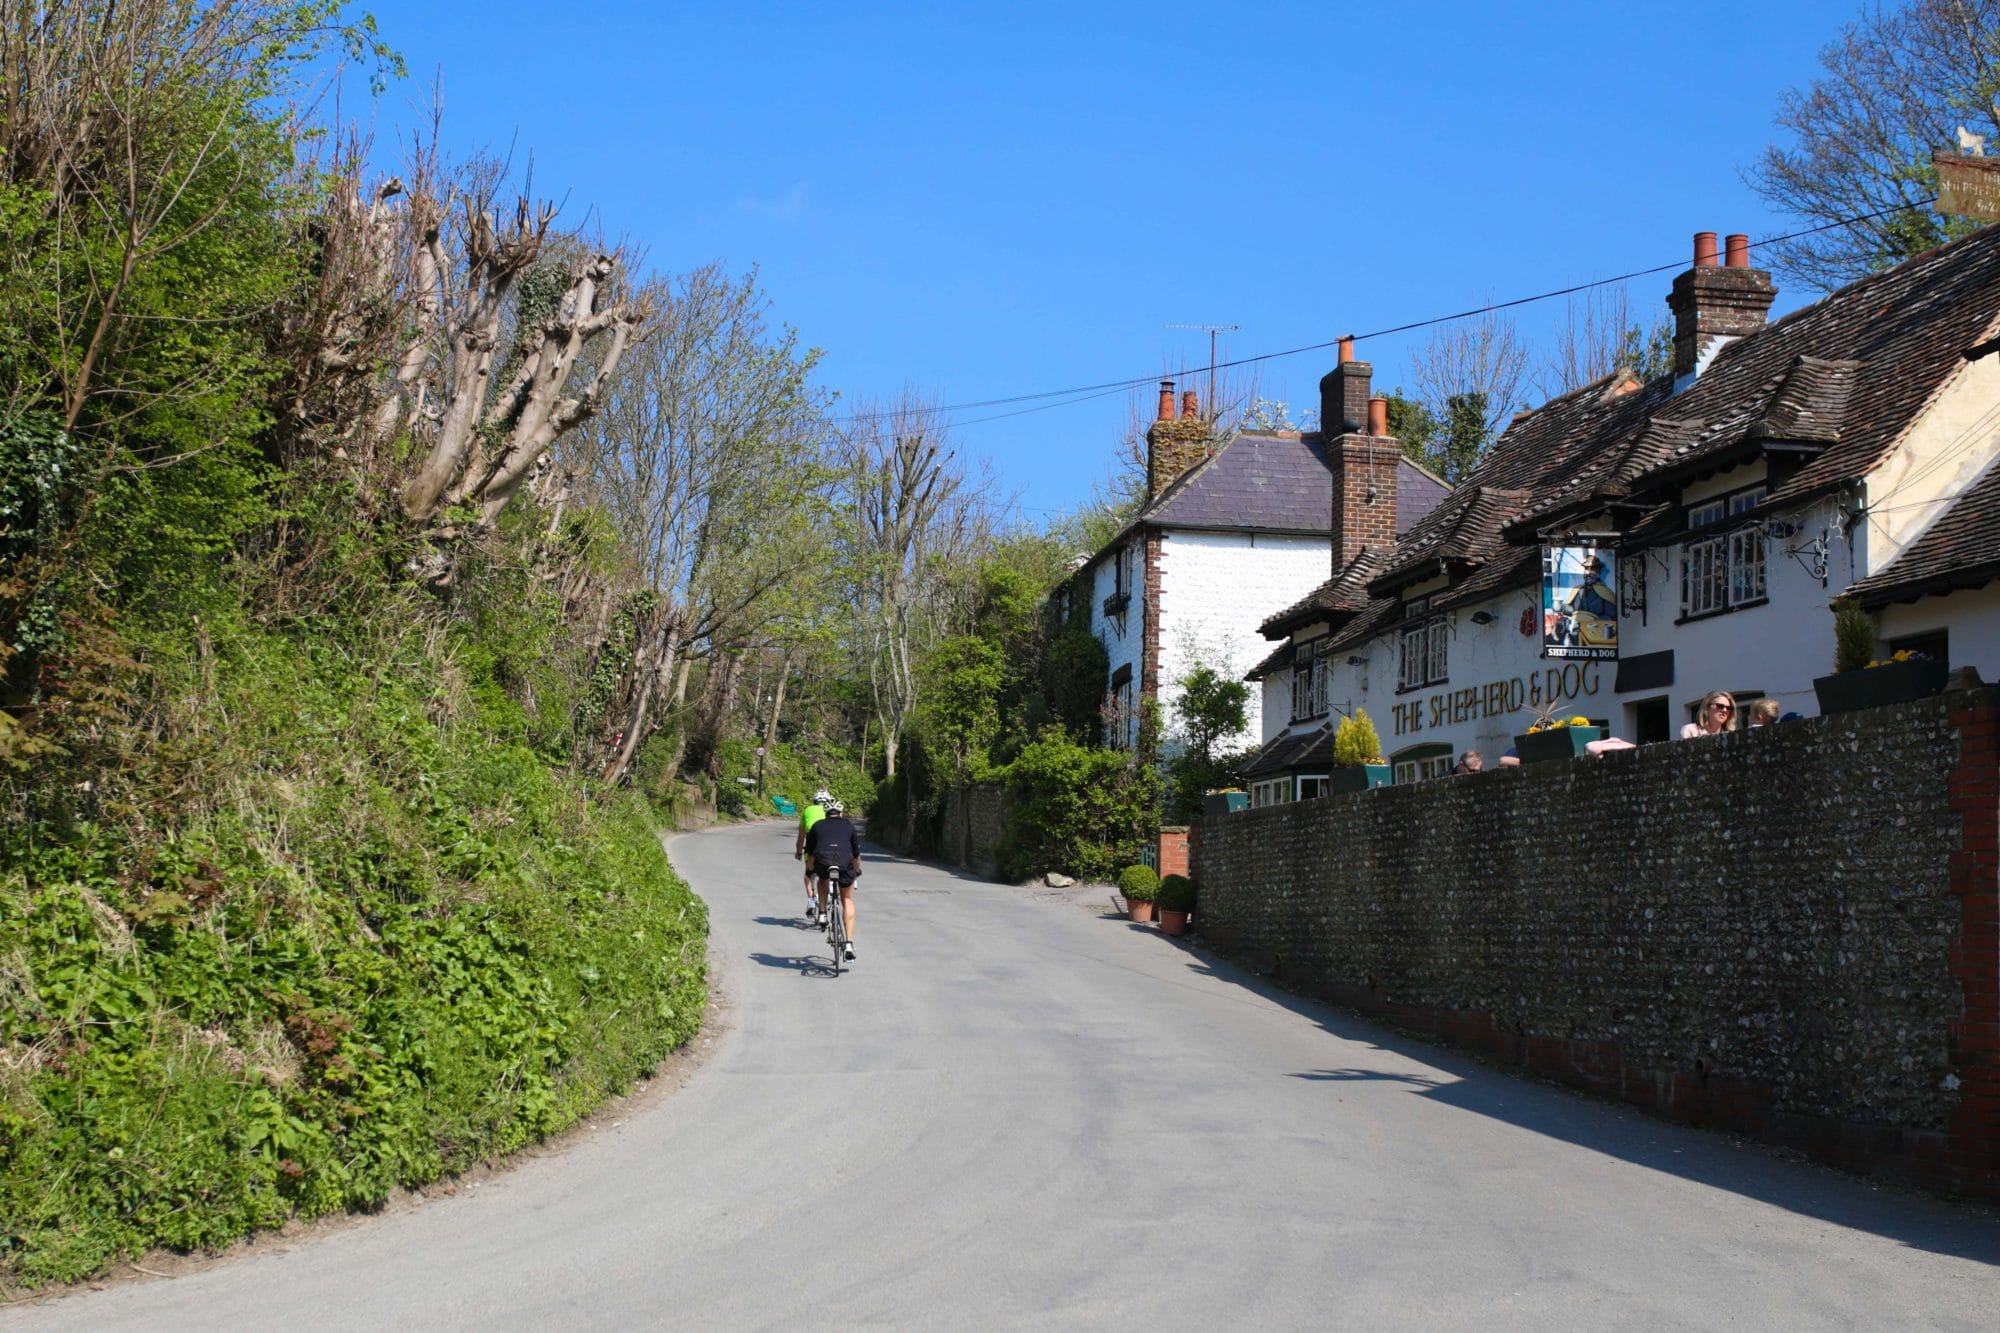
{"x": 1292, "y": 750}
{"x": 1960, "y": 550}
{"x": 1275, "y": 481}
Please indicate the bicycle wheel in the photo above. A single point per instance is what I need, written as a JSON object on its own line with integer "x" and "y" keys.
{"x": 837, "y": 936}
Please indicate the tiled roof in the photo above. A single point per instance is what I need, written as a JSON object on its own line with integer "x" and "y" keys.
{"x": 1838, "y": 382}
{"x": 1293, "y": 750}
{"x": 1848, "y": 374}
{"x": 1465, "y": 530}
{"x": 1960, "y": 550}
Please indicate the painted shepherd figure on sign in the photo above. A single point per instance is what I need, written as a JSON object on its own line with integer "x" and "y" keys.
{"x": 1579, "y": 603}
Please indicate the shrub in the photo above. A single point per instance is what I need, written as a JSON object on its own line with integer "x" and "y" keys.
{"x": 1139, "y": 883}
{"x": 1853, "y": 636}
{"x": 1076, "y": 808}
{"x": 1176, "y": 894}
{"x": 1355, "y": 741}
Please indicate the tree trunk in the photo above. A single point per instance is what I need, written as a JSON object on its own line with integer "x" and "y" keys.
{"x": 778, "y": 699}
{"x": 652, "y": 657}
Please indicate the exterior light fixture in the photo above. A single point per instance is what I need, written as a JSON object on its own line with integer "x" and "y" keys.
{"x": 1483, "y": 617}
{"x": 1357, "y": 661}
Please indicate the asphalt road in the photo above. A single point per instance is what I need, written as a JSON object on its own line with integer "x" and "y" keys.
{"x": 1015, "y": 1109}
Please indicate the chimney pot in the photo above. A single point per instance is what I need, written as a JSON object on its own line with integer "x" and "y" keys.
{"x": 1378, "y": 416}
{"x": 1166, "y": 400}
{"x": 1737, "y": 254}
{"x": 1704, "y": 249}
{"x": 1190, "y": 406}
{"x": 1346, "y": 349}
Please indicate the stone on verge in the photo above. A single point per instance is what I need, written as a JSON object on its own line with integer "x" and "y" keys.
{"x": 1055, "y": 881}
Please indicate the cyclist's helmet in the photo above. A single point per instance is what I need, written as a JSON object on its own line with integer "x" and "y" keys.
{"x": 834, "y": 807}
{"x": 822, "y": 797}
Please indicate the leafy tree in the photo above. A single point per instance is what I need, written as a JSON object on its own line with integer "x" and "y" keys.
{"x": 1898, "y": 83}
{"x": 1208, "y": 708}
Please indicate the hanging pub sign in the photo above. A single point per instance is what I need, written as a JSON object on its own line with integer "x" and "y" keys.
{"x": 1579, "y": 602}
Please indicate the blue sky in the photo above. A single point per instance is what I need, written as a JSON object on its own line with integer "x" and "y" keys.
{"x": 983, "y": 201}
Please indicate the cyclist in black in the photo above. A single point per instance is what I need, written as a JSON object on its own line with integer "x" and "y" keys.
{"x": 834, "y": 848}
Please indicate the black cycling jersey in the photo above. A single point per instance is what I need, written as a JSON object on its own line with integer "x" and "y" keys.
{"x": 834, "y": 842}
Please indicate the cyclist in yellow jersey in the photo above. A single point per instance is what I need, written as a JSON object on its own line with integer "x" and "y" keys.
{"x": 809, "y": 816}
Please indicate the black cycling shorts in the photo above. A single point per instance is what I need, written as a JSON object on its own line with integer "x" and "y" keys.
{"x": 841, "y": 875}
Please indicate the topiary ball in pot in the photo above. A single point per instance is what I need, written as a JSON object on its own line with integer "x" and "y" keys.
{"x": 1176, "y": 894}
{"x": 1139, "y": 884}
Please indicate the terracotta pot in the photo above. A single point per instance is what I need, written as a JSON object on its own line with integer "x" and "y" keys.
{"x": 1138, "y": 911}
{"x": 1172, "y": 922}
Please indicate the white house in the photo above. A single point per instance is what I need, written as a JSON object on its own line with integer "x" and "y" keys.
{"x": 1228, "y": 535}
{"x": 1848, "y": 445}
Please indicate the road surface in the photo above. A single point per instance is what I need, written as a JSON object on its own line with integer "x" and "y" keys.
{"x": 1017, "y": 1110}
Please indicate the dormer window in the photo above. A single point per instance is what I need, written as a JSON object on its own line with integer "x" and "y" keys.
{"x": 1310, "y": 669}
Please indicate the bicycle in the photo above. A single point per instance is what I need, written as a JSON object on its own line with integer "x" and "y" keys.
{"x": 836, "y": 917}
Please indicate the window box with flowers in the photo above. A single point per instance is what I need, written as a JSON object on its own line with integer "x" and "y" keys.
{"x": 1894, "y": 680}
{"x": 1860, "y": 680}
{"x": 1558, "y": 738}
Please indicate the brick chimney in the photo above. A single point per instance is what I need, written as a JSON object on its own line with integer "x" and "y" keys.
{"x": 1716, "y": 302}
{"x": 1363, "y": 463}
{"x": 1343, "y": 394}
{"x": 1173, "y": 445}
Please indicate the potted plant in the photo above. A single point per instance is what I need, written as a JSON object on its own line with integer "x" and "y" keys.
{"x": 1140, "y": 885}
{"x": 1860, "y": 680}
{"x": 1357, "y": 755}
{"x": 1223, "y": 800}
{"x": 1555, "y": 738}
{"x": 1175, "y": 903}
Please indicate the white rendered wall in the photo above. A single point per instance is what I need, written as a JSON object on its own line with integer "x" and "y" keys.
{"x": 1123, "y": 637}
{"x": 1937, "y": 459}
{"x": 1775, "y": 649}
{"x": 1972, "y": 617}
{"x": 1216, "y": 588}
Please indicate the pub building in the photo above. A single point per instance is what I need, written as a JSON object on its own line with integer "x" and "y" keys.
{"x": 1629, "y": 546}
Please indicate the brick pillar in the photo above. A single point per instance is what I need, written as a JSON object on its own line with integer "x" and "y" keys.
{"x": 1174, "y": 850}
{"x": 1973, "y": 1134}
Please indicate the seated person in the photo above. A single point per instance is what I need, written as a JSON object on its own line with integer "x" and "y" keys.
{"x": 1470, "y": 762}
{"x": 1763, "y": 712}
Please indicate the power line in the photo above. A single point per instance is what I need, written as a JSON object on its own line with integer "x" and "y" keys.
{"x": 1050, "y": 399}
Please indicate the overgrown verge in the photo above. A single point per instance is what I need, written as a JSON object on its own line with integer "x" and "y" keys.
{"x": 339, "y": 928}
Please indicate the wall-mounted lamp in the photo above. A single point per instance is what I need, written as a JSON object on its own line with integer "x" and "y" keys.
{"x": 1778, "y": 529}
{"x": 1483, "y": 617}
{"x": 1357, "y": 661}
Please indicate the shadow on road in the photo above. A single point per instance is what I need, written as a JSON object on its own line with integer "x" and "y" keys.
{"x": 795, "y": 922}
{"x": 807, "y": 966}
{"x": 1706, "y": 1157}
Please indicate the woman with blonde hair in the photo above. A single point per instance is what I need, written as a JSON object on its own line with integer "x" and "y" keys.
{"x": 1716, "y": 714}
